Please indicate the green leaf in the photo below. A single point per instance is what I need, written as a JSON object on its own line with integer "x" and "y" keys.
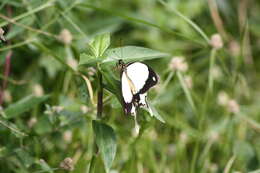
{"x": 154, "y": 112}
{"x": 87, "y": 60}
{"x": 132, "y": 53}
{"x": 24, "y": 105}
{"x": 111, "y": 83}
{"x": 44, "y": 166}
{"x": 100, "y": 44}
{"x": 106, "y": 142}
{"x": 26, "y": 159}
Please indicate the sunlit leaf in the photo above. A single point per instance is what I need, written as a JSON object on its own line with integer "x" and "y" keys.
{"x": 99, "y": 44}
{"x": 87, "y": 60}
{"x": 133, "y": 53}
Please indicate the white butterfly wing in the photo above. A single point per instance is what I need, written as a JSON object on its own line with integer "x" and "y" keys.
{"x": 138, "y": 74}
{"x": 126, "y": 90}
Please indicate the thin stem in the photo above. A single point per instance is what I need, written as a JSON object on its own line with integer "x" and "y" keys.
{"x": 6, "y": 74}
{"x": 211, "y": 65}
{"x": 186, "y": 91}
{"x": 12, "y": 128}
{"x": 28, "y": 27}
{"x": 92, "y": 164}
{"x": 100, "y": 96}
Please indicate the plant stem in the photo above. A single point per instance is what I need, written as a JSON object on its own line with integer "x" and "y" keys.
{"x": 186, "y": 91}
{"x": 211, "y": 65}
{"x": 100, "y": 96}
{"x": 6, "y": 74}
{"x": 92, "y": 164}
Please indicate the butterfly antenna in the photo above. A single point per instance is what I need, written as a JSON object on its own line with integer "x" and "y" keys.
{"x": 121, "y": 50}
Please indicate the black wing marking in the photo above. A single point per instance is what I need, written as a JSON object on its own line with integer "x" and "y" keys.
{"x": 150, "y": 82}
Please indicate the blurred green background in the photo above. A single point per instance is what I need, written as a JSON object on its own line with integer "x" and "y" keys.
{"x": 209, "y": 98}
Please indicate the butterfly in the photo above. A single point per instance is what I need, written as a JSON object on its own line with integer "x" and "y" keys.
{"x": 136, "y": 79}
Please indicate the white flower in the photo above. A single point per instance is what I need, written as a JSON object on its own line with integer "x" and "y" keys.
{"x": 233, "y": 106}
{"x": 216, "y": 72}
{"x": 65, "y": 36}
{"x": 32, "y": 122}
{"x": 67, "y": 164}
{"x": 183, "y": 137}
{"x": 2, "y": 34}
{"x": 178, "y": 63}
{"x": 84, "y": 109}
{"x": 223, "y": 98}
{"x": 7, "y": 96}
{"x": 214, "y": 136}
{"x": 67, "y": 136}
{"x": 38, "y": 90}
{"x": 216, "y": 41}
{"x": 91, "y": 71}
{"x": 57, "y": 109}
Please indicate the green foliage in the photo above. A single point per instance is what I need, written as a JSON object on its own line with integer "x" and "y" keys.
{"x": 23, "y": 105}
{"x": 106, "y": 142}
{"x": 204, "y": 114}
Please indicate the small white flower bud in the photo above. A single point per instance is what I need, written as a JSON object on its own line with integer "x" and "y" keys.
{"x": 216, "y": 41}
{"x": 38, "y": 90}
{"x": 32, "y": 122}
{"x": 91, "y": 71}
{"x": 216, "y": 72}
{"x": 223, "y": 98}
{"x": 183, "y": 137}
{"x": 178, "y": 63}
{"x": 2, "y": 34}
{"x": 57, "y": 109}
{"x": 7, "y": 96}
{"x": 67, "y": 136}
{"x": 67, "y": 164}
{"x": 233, "y": 106}
{"x": 84, "y": 109}
{"x": 65, "y": 36}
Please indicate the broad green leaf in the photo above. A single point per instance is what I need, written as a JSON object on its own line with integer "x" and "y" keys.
{"x": 106, "y": 142}
{"x": 26, "y": 159}
{"x": 132, "y": 53}
{"x": 87, "y": 60}
{"x": 99, "y": 44}
{"x": 24, "y": 105}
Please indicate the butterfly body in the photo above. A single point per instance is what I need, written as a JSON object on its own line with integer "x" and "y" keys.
{"x": 136, "y": 79}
